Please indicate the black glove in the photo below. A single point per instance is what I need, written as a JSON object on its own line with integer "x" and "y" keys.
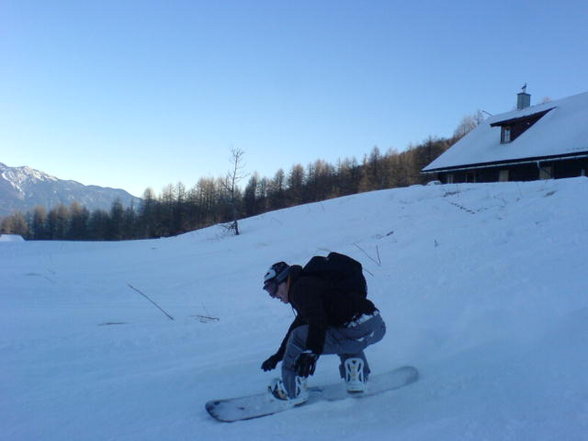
{"x": 305, "y": 364}
{"x": 271, "y": 362}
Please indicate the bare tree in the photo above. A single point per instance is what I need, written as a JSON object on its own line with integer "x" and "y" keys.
{"x": 469, "y": 123}
{"x": 230, "y": 184}
{"x": 14, "y": 224}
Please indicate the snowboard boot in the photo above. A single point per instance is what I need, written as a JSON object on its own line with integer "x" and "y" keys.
{"x": 355, "y": 379}
{"x": 278, "y": 391}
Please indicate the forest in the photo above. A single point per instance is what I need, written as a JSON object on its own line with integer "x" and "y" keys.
{"x": 222, "y": 200}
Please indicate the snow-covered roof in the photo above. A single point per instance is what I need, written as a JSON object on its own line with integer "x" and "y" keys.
{"x": 563, "y": 130}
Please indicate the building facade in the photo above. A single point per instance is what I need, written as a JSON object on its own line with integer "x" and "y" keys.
{"x": 546, "y": 141}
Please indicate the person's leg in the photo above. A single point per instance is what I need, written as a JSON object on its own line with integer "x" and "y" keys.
{"x": 360, "y": 355}
{"x": 296, "y": 345}
{"x": 346, "y": 342}
{"x": 350, "y": 342}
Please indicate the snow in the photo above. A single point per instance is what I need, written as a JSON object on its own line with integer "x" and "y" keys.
{"x": 482, "y": 286}
{"x": 17, "y": 176}
{"x": 11, "y": 238}
{"x": 563, "y": 130}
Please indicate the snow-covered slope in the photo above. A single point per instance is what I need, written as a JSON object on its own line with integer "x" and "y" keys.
{"x": 24, "y": 188}
{"x": 482, "y": 286}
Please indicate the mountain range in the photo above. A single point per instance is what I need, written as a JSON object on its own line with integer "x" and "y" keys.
{"x": 24, "y": 188}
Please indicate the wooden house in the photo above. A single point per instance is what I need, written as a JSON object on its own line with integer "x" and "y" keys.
{"x": 548, "y": 140}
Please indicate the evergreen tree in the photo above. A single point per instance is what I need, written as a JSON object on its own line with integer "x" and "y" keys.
{"x": 115, "y": 221}
{"x": 129, "y": 225}
{"x": 98, "y": 225}
{"x": 39, "y": 224}
{"x": 78, "y": 222}
{"x": 250, "y": 197}
{"x": 276, "y": 192}
{"x": 58, "y": 222}
{"x": 295, "y": 185}
{"x": 179, "y": 212}
{"x": 147, "y": 212}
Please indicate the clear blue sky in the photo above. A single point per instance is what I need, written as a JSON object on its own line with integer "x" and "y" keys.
{"x": 137, "y": 93}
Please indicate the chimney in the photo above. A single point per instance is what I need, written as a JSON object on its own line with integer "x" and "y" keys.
{"x": 523, "y": 98}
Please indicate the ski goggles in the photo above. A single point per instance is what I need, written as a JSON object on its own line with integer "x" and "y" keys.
{"x": 271, "y": 286}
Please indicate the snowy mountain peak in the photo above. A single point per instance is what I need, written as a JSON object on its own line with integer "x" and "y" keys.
{"x": 23, "y": 188}
{"x": 18, "y": 176}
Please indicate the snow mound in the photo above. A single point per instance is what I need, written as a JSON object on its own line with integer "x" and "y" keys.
{"x": 11, "y": 238}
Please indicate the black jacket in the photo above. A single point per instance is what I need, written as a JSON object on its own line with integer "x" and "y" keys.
{"x": 319, "y": 306}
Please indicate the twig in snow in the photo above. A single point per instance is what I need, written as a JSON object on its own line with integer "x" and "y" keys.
{"x": 206, "y": 318}
{"x": 377, "y": 262}
{"x": 145, "y": 295}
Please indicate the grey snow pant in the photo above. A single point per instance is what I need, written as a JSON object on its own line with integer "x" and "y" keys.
{"x": 346, "y": 342}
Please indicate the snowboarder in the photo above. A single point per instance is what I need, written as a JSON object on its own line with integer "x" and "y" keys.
{"x": 328, "y": 321}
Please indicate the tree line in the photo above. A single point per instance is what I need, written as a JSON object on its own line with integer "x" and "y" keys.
{"x": 218, "y": 200}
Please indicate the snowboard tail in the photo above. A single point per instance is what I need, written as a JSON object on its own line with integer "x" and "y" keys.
{"x": 264, "y": 404}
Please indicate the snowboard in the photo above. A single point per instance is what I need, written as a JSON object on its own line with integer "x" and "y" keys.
{"x": 264, "y": 404}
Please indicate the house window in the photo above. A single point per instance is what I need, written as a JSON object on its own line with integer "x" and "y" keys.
{"x": 505, "y": 135}
{"x": 511, "y": 129}
{"x": 545, "y": 172}
{"x": 503, "y": 175}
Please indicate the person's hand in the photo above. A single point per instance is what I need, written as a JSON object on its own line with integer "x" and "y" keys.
{"x": 305, "y": 364}
{"x": 270, "y": 363}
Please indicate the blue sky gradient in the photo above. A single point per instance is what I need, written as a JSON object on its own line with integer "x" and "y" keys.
{"x": 136, "y": 94}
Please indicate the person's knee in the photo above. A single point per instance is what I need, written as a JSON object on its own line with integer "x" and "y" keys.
{"x": 378, "y": 332}
{"x": 296, "y": 344}
{"x": 298, "y": 335}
